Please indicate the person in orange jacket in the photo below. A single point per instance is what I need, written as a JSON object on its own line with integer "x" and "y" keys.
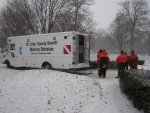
{"x": 121, "y": 61}
{"x": 133, "y": 60}
{"x": 104, "y": 61}
{"x": 98, "y": 60}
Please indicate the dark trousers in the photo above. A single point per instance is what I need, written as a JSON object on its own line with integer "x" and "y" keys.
{"x": 121, "y": 66}
{"x": 126, "y": 65}
{"x": 103, "y": 72}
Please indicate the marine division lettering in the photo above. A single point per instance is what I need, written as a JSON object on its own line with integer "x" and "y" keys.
{"x": 42, "y": 49}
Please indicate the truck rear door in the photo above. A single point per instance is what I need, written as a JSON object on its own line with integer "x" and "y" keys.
{"x": 86, "y": 49}
{"x": 82, "y": 51}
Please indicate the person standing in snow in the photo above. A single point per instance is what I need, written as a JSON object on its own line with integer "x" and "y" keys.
{"x": 99, "y": 53}
{"x": 104, "y": 61}
{"x": 121, "y": 61}
{"x": 133, "y": 60}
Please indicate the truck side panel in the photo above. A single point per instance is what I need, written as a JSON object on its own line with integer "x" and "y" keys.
{"x": 58, "y": 49}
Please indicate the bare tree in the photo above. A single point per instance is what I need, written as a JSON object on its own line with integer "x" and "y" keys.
{"x": 79, "y": 11}
{"x": 48, "y": 12}
{"x": 148, "y": 36}
{"x": 26, "y": 11}
{"x": 134, "y": 13}
{"x": 100, "y": 41}
{"x": 119, "y": 33}
{"x": 3, "y": 40}
{"x": 14, "y": 19}
{"x": 88, "y": 24}
{"x": 31, "y": 17}
{"x": 68, "y": 21}
{"x": 45, "y": 16}
{"x": 65, "y": 22}
{"x": 147, "y": 33}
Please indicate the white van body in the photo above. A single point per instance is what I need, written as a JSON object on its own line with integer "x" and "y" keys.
{"x": 63, "y": 50}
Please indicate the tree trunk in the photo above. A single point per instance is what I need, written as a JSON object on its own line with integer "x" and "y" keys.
{"x": 2, "y": 49}
{"x": 132, "y": 38}
{"x": 132, "y": 43}
{"x": 149, "y": 47}
{"x": 76, "y": 16}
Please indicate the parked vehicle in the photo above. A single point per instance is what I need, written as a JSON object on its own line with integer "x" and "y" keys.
{"x": 62, "y": 50}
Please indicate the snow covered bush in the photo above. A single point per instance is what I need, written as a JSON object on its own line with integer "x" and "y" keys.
{"x": 136, "y": 85}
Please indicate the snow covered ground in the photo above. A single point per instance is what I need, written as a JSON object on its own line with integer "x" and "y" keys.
{"x": 49, "y": 91}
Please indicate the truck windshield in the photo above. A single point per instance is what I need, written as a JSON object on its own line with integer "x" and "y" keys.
{"x": 12, "y": 46}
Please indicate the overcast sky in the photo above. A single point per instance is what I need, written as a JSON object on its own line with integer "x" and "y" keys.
{"x": 2, "y": 3}
{"x": 104, "y": 11}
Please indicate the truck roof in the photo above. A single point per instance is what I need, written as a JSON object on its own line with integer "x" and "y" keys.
{"x": 24, "y": 36}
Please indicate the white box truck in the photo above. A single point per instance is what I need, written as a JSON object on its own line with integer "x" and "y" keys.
{"x": 63, "y": 50}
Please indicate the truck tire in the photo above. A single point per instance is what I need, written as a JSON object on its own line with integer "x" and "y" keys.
{"x": 8, "y": 64}
{"x": 47, "y": 66}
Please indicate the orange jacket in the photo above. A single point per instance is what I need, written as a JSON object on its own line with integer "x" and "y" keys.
{"x": 121, "y": 58}
{"x": 98, "y": 56}
{"x": 104, "y": 54}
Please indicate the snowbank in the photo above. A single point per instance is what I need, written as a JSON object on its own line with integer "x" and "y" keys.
{"x": 43, "y": 91}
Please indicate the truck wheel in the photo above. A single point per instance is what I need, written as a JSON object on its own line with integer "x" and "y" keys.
{"x": 8, "y": 65}
{"x": 47, "y": 66}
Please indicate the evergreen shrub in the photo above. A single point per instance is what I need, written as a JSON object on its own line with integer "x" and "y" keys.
{"x": 136, "y": 85}
{"x": 141, "y": 62}
{"x": 112, "y": 64}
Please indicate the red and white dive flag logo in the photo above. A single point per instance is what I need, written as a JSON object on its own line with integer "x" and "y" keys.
{"x": 67, "y": 49}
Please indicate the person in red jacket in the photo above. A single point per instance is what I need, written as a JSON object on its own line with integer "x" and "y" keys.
{"x": 98, "y": 60}
{"x": 133, "y": 60}
{"x": 104, "y": 61}
{"x": 121, "y": 61}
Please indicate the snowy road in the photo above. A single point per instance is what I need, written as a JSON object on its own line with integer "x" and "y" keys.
{"x": 112, "y": 96}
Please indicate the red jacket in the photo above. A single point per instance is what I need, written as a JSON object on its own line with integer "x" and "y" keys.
{"x": 104, "y": 54}
{"x": 98, "y": 56}
{"x": 121, "y": 58}
{"x": 98, "y": 59}
{"x": 104, "y": 61}
{"x": 133, "y": 58}
{"x": 133, "y": 61}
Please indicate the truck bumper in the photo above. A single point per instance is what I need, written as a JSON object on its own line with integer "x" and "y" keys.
{"x": 3, "y": 62}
